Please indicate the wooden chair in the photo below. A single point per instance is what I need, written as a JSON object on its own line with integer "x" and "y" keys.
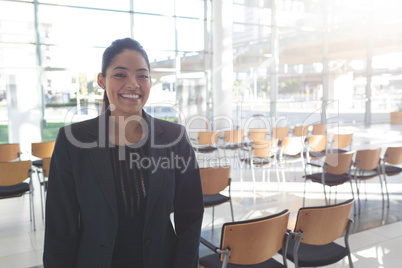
{"x": 335, "y": 171}
{"x": 233, "y": 141}
{"x": 207, "y": 143}
{"x": 214, "y": 180}
{"x": 263, "y": 155}
{"x": 10, "y": 152}
{"x": 41, "y": 150}
{"x": 315, "y": 232}
{"x": 392, "y": 158}
{"x": 257, "y": 134}
{"x": 291, "y": 151}
{"x": 341, "y": 143}
{"x": 250, "y": 243}
{"x": 316, "y": 148}
{"x": 300, "y": 131}
{"x": 13, "y": 175}
{"x": 367, "y": 166}
{"x": 279, "y": 133}
{"x": 319, "y": 129}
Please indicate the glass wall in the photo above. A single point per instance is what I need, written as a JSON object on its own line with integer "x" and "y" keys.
{"x": 289, "y": 57}
{"x": 57, "y": 46}
{"x": 345, "y": 53}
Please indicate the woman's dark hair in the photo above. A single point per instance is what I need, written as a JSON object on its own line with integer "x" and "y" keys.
{"x": 117, "y": 47}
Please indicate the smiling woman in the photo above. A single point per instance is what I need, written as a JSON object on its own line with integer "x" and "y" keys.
{"x": 115, "y": 179}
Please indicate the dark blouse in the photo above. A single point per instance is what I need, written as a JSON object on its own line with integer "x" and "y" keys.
{"x": 131, "y": 181}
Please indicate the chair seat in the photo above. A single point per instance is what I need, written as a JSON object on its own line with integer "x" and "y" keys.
{"x": 215, "y": 199}
{"x": 330, "y": 179}
{"x": 289, "y": 158}
{"x": 337, "y": 151}
{"x": 315, "y": 256}
{"x": 232, "y": 146}
{"x": 37, "y": 163}
{"x": 314, "y": 154}
{"x": 392, "y": 170}
{"x": 366, "y": 174}
{"x": 17, "y": 189}
{"x": 213, "y": 260}
{"x": 206, "y": 149}
{"x": 258, "y": 161}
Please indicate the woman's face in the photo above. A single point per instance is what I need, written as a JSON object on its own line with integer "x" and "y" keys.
{"x": 127, "y": 83}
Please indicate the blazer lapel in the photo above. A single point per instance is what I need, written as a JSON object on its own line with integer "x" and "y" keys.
{"x": 155, "y": 179}
{"x": 101, "y": 159}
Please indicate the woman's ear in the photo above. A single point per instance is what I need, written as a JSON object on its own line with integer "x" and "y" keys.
{"x": 101, "y": 80}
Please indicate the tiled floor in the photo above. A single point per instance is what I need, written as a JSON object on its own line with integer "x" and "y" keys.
{"x": 376, "y": 239}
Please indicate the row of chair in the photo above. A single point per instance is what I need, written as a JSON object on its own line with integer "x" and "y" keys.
{"x": 358, "y": 166}
{"x": 253, "y": 243}
{"x": 14, "y": 172}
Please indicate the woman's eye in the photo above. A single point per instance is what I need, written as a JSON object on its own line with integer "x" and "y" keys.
{"x": 144, "y": 76}
{"x": 120, "y": 75}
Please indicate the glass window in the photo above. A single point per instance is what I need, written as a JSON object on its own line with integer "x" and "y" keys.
{"x": 190, "y": 8}
{"x": 190, "y": 35}
{"x": 87, "y": 28}
{"x": 104, "y": 4}
{"x": 17, "y": 22}
{"x": 149, "y": 32}
{"x": 165, "y": 7}
{"x": 251, "y": 15}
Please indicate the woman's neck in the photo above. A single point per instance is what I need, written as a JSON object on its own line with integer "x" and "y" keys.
{"x": 124, "y": 132}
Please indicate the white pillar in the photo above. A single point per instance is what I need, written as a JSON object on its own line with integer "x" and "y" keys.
{"x": 222, "y": 63}
{"x": 24, "y": 113}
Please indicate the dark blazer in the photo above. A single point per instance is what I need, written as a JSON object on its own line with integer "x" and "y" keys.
{"x": 81, "y": 211}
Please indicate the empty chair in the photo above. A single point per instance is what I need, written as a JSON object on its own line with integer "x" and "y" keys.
{"x": 316, "y": 147}
{"x": 280, "y": 133}
{"x": 263, "y": 155}
{"x": 315, "y": 232}
{"x": 214, "y": 180}
{"x": 233, "y": 141}
{"x": 9, "y": 152}
{"x": 257, "y": 134}
{"x": 335, "y": 171}
{"x": 392, "y": 158}
{"x": 250, "y": 243}
{"x": 291, "y": 151}
{"x": 319, "y": 129}
{"x": 41, "y": 150}
{"x": 13, "y": 175}
{"x": 341, "y": 143}
{"x": 367, "y": 166}
{"x": 300, "y": 131}
{"x": 207, "y": 142}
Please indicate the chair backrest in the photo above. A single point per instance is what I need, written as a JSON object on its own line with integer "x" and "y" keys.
{"x": 280, "y": 132}
{"x": 323, "y": 225}
{"x": 319, "y": 129}
{"x": 393, "y": 155}
{"x": 292, "y": 145}
{"x": 263, "y": 148}
{"x": 255, "y": 134}
{"x": 342, "y": 140}
{"x": 42, "y": 149}
{"x": 339, "y": 163}
{"x": 317, "y": 143}
{"x": 234, "y": 136}
{"x": 214, "y": 179}
{"x": 46, "y": 166}
{"x": 254, "y": 241}
{"x": 208, "y": 137}
{"x": 9, "y": 152}
{"x": 300, "y": 131}
{"x": 12, "y": 173}
{"x": 367, "y": 159}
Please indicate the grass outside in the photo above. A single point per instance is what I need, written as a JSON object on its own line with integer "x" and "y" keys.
{"x": 49, "y": 132}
